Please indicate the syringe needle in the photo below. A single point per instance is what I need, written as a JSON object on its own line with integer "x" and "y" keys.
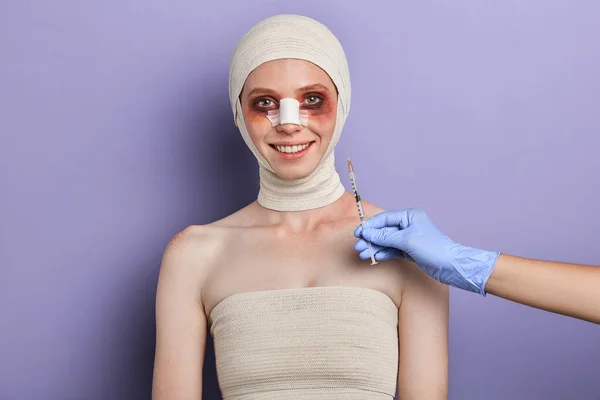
{"x": 361, "y": 213}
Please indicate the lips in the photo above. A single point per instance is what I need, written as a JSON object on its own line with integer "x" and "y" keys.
{"x": 292, "y": 151}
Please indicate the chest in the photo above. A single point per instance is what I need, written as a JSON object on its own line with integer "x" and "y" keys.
{"x": 266, "y": 260}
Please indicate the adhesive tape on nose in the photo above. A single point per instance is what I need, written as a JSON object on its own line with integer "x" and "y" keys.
{"x": 288, "y": 113}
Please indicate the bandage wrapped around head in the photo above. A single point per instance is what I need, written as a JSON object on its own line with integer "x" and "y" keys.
{"x": 298, "y": 37}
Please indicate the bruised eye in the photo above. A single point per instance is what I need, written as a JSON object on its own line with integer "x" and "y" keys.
{"x": 312, "y": 100}
{"x": 265, "y": 103}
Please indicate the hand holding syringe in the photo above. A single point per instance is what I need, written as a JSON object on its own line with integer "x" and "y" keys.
{"x": 361, "y": 213}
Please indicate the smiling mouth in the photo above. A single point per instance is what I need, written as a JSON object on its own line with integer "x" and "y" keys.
{"x": 291, "y": 149}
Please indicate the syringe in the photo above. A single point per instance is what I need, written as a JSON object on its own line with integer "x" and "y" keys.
{"x": 361, "y": 213}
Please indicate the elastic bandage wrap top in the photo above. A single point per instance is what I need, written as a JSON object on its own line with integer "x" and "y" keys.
{"x": 297, "y": 37}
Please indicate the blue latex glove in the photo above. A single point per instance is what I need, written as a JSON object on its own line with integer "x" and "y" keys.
{"x": 411, "y": 234}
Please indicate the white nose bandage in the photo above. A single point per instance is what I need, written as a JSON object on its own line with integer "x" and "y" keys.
{"x": 298, "y": 37}
{"x": 289, "y": 112}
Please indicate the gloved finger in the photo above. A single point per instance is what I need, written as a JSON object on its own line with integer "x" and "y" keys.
{"x": 385, "y": 237}
{"x": 400, "y": 218}
{"x": 382, "y": 254}
{"x": 358, "y": 231}
{"x": 362, "y": 245}
{"x": 389, "y": 253}
{"x": 366, "y": 254}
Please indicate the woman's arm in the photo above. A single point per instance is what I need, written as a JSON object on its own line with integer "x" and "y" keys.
{"x": 180, "y": 322}
{"x": 423, "y": 337}
{"x": 562, "y": 288}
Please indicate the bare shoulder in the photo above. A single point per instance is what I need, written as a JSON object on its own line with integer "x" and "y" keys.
{"x": 409, "y": 273}
{"x": 193, "y": 252}
{"x": 203, "y": 242}
{"x": 190, "y": 243}
{"x": 371, "y": 209}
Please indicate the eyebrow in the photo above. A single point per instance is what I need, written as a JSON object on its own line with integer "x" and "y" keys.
{"x": 307, "y": 88}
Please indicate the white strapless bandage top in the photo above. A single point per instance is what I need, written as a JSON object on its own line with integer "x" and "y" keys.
{"x": 327, "y": 342}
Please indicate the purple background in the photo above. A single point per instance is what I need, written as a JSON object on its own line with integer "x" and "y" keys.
{"x": 117, "y": 133}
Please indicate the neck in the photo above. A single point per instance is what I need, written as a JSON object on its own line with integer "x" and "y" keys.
{"x": 320, "y": 189}
{"x": 310, "y": 220}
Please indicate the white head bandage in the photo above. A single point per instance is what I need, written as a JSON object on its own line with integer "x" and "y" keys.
{"x": 298, "y": 37}
{"x": 289, "y": 112}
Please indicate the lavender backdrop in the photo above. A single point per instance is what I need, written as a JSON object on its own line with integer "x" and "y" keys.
{"x": 116, "y": 133}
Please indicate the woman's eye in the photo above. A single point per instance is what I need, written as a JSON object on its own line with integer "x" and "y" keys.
{"x": 313, "y": 99}
{"x": 264, "y": 103}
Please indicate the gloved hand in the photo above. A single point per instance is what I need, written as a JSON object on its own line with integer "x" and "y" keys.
{"x": 411, "y": 234}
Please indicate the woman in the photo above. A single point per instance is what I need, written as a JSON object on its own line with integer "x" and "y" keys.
{"x": 294, "y": 313}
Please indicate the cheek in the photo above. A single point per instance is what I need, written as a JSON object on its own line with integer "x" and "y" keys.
{"x": 325, "y": 112}
{"x": 257, "y": 125}
{"x": 257, "y": 120}
{"x": 323, "y": 118}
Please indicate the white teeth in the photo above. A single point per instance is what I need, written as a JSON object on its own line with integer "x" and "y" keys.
{"x": 292, "y": 149}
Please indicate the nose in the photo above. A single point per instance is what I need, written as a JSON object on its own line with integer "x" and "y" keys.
{"x": 290, "y": 129}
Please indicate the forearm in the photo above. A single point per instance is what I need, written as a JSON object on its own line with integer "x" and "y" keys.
{"x": 568, "y": 289}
